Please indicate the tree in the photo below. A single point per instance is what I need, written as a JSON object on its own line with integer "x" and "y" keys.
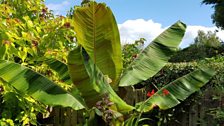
{"x": 29, "y": 33}
{"x": 208, "y": 39}
{"x": 205, "y": 45}
{"x": 217, "y": 17}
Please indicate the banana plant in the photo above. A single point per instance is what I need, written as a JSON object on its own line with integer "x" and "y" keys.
{"x": 95, "y": 68}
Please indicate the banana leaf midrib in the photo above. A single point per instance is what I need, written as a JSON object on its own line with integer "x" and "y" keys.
{"x": 99, "y": 36}
{"x": 94, "y": 33}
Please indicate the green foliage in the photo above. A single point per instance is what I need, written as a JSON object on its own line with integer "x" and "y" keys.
{"x": 29, "y": 33}
{"x": 206, "y": 45}
{"x": 19, "y": 8}
{"x": 28, "y": 37}
{"x": 38, "y": 87}
{"x": 130, "y": 51}
{"x": 99, "y": 36}
{"x": 6, "y": 122}
{"x": 217, "y": 89}
{"x": 208, "y": 39}
{"x": 217, "y": 114}
{"x": 175, "y": 70}
{"x": 173, "y": 93}
{"x": 20, "y": 109}
{"x": 102, "y": 86}
{"x": 34, "y": 43}
{"x": 217, "y": 17}
{"x": 155, "y": 56}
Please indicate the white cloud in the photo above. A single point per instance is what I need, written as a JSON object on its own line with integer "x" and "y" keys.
{"x": 132, "y": 30}
{"x": 58, "y": 8}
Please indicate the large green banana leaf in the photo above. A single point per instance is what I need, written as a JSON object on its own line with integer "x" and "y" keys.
{"x": 97, "y": 32}
{"x": 79, "y": 75}
{"x": 91, "y": 82}
{"x": 37, "y": 86}
{"x": 178, "y": 90}
{"x": 154, "y": 56}
{"x": 102, "y": 86}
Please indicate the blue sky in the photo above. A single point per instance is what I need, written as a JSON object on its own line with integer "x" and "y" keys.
{"x": 163, "y": 11}
{"x": 148, "y": 18}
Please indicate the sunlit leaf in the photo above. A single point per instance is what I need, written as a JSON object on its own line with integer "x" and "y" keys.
{"x": 37, "y": 86}
{"x": 155, "y": 56}
{"x": 97, "y": 32}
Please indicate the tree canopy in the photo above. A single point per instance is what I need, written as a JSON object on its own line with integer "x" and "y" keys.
{"x": 208, "y": 39}
{"x": 205, "y": 45}
{"x": 218, "y": 16}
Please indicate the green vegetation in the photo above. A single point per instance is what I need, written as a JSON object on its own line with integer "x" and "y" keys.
{"x": 184, "y": 62}
{"x": 214, "y": 88}
{"x": 29, "y": 34}
{"x": 76, "y": 61}
{"x": 217, "y": 17}
{"x": 205, "y": 45}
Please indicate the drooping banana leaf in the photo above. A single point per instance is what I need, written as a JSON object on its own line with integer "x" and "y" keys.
{"x": 91, "y": 82}
{"x": 102, "y": 86}
{"x": 178, "y": 90}
{"x": 155, "y": 56}
{"x": 37, "y": 86}
{"x": 97, "y": 32}
{"x": 61, "y": 68}
{"x": 80, "y": 77}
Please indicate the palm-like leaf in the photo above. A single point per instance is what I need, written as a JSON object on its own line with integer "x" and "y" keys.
{"x": 102, "y": 86}
{"x": 97, "y": 33}
{"x": 80, "y": 77}
{"x": 178, "y": 90}
{"x": 37, "y": 86}
{"x": 154, "y": 56}
{"x": 90, "y": 81}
